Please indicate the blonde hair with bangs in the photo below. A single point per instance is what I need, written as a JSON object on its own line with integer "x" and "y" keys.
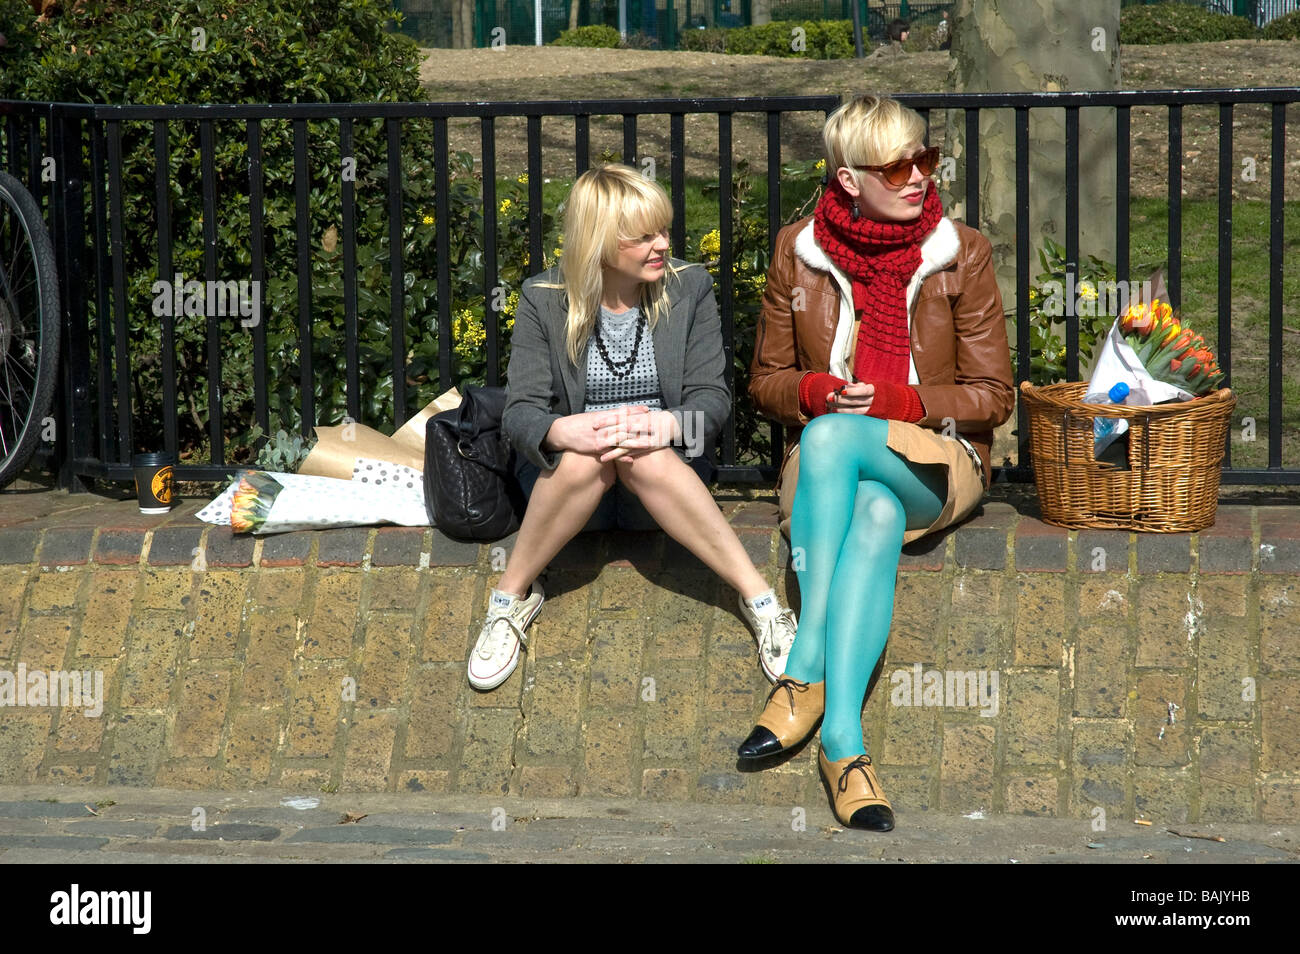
{"x": 869, "y": 130}
{"x": 608, "y": 204}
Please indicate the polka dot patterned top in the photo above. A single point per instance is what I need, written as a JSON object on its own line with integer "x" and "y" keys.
{"x": 640, "y": 385}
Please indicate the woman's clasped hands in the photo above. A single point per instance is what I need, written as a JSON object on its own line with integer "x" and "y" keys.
{"x": 618, "y": 433}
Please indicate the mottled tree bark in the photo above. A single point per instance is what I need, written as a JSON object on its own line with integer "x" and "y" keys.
{"x": 1033, "y": 46}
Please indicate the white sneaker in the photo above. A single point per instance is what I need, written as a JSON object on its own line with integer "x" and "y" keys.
{"x": 496, "y": 654}
{"x": 775, "y": 633}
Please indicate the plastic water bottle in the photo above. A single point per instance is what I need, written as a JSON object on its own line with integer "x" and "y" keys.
{"x": 1107, "y": 431}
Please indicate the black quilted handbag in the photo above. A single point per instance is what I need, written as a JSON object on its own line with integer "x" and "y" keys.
{"x": 470, "y": 488}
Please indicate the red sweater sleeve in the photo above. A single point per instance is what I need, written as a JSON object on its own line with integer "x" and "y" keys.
{"x": 813, "y": 389}
{"x": 898, "y": 402}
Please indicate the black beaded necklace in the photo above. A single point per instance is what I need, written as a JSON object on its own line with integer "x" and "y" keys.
{"x": 623, "y": 367}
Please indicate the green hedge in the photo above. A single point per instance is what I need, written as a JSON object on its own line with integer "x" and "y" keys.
{"x": 596, "y": 36}
{"x": 819, "y": 40}
{"x": 1180, "y": 23}
{"x": 1283, "y": 28}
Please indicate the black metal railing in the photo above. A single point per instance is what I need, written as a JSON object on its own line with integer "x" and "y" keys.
{"x": 85, "y": 201}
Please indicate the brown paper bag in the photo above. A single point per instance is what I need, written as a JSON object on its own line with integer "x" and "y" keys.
{"x": 337, "y": 448}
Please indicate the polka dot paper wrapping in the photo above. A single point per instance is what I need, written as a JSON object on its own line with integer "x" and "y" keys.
{"x": 379, "y": 492}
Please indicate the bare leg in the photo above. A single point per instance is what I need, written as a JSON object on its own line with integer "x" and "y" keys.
{"x": 681, "y": 504}
{"x": 562, "y": 502}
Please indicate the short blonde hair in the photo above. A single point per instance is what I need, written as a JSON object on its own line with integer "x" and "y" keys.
{"x": 869, "y": 130}
{"x": 609, "y": 204}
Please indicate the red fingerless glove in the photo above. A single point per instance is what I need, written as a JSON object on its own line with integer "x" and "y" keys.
{"x": 898, "y": 402}
{"x": 813, "y": 389}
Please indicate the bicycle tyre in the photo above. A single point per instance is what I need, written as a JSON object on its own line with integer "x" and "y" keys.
{"x": 29, "y": 326}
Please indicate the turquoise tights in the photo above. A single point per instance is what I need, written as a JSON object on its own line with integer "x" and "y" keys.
{"x": 854, "y": 498}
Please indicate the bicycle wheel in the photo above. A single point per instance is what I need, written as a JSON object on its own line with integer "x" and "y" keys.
{"x": 29, "y": 326}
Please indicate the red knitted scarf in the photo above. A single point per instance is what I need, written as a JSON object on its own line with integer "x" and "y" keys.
{"x": 881, "y": 258}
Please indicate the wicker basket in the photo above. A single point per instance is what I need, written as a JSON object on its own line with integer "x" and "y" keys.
{"x": 1175, "y": 455}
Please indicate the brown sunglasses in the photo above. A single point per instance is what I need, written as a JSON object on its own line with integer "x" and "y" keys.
{"x": 897, "y": 173}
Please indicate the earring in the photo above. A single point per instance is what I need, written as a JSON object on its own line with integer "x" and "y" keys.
{"x": 856, "y": 213}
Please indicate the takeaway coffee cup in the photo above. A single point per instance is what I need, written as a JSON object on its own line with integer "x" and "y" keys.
{"x": 153, "y": 480}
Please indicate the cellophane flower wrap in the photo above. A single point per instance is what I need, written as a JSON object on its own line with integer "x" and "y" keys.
{"x": 265, "y": 502}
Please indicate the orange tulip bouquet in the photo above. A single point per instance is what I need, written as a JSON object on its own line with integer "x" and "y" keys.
{"x": 1170, "y": 351}
{"x": 1156, "y": 355}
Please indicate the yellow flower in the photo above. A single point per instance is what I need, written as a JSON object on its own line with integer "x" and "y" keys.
{"x": 523, "y": 179}
{"x": 511, "y": 304}
{"x": 821, "y": 165}
{"x": 1033, "y": 294}
{"x": 711, "y": 245}
{"x": 469, "y": 334}
{"x": 506, "y": 206}
{"x": 428, "y": 220}
{"x": 1086, "y": 290}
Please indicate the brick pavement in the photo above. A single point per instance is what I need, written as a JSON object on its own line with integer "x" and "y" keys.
{"x": 334, "y": 661}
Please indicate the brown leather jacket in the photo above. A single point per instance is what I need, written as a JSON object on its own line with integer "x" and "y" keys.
{"x": 961, "y": 362}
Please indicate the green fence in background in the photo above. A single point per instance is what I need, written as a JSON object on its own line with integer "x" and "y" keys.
{"x": 650, "y": 23}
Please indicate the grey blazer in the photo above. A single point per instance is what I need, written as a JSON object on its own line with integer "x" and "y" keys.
{"x": 543, "y": 385}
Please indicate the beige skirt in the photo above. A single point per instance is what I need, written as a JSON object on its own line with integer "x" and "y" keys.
{"x": 920, "y": 445}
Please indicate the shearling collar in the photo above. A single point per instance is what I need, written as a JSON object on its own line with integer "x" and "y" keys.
{"x": 937, "y": 251}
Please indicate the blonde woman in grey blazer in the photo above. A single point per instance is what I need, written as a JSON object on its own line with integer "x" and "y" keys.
{"x": 616, "y": 384}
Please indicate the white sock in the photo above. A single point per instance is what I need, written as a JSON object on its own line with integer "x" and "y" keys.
{"x": 764, "y": 604}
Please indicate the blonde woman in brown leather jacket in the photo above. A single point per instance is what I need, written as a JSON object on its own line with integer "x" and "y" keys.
{"x": 882, "y": 347}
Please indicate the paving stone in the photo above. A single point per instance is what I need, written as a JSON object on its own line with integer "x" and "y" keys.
{"x": 756, "y": 514}
{"x": 119, "y": 546}
{"x": 65, "y": 546}
{"x": 545, "y": 781}
{"x": 981, "y": 548}
{"x": 397, "y": 546}
{"x": 635, "y": 548}
{"x": 1278, "y": 554}
{"x": 444, "y": 551}
{"x": 1226, "y": 773}
{"x": 53, "y": 842}
{"x": 758, "y": 545}
{"x": 137, "y": 748}
{"x": 1280, "y": 725}
{"x": 43, "y": 809}
{"x": 1225, "y": 554}
{"x": 969, "y": 755}
{"x": 1157, "y": 741}
{"x": 18, "y": 545}
{"x": 1102, "y": 663}
{"x": 1032, "y": 701}
{"x": 1279, "y": 622}
{"x": 444, "y": 855}
{"x": 371, "y": 835}
{"x": 1100, "y": 759}
{"x": 1164, "y": 552}
{"x": 1040, "y": 546}
{"x": 286, "y": 549}
{"x": 225, "y": 548}
{"x": 174, "y": 546}
{"x": 342, "y": 547}
{"x": 927, "y": 553}
{"x": 1040, "y": 624}
{"x": 223, "y": 832}
{"x": 1031, "y": 795}
{"x": 1102, "y": 551}
{"x": 1161, "y": 796}
{"x": 1167, "y": 621}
